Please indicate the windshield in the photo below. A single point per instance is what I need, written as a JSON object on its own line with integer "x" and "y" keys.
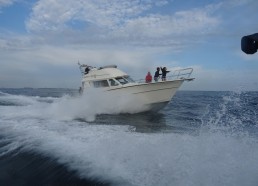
{"x": 122, "y": 80}
{"x": 129, "y": 79}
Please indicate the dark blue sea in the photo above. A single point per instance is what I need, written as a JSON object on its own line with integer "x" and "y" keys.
{"x": 54, "y": 137}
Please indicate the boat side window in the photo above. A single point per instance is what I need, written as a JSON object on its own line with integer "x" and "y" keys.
{"x": 112, "y": 82}
{"x": 122, "y": 80}
{"x": 102, "y": 83}
{"x": 129, "y": 79}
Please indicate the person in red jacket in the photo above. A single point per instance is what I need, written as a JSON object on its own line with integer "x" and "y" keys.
{"x": 148, "y": 78}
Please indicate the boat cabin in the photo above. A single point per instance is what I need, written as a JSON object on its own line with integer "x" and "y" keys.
{"x": 104, "y": 77}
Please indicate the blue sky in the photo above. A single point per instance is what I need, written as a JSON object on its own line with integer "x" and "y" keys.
{"x": 41, "y": 41}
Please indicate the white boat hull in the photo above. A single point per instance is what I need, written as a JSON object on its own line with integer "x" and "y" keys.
{"x": 154, "y": 96}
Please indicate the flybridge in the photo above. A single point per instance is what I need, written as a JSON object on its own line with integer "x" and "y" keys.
{"x": 83, "y": 67}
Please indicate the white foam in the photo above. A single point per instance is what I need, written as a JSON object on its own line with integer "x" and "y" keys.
{"x": 116, "y": 154}
{"x": 89, "y": 105}
{"x": 119, "y": 155}
{"x": 92, "y": 103}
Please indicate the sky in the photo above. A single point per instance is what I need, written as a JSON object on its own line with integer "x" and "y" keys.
{"x": 42, "y": 41}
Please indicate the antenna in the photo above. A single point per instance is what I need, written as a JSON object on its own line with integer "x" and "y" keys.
{"x": 81, "y": 67}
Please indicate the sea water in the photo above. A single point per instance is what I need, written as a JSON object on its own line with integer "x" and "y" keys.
{"x": 56, "y": 137}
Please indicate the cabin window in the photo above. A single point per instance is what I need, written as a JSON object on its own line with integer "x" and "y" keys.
{"x": 112, "y": 82}
{"x": 129, "y": 79}
{"x": 102, "y": 83}
{"x": 122, "y": 80}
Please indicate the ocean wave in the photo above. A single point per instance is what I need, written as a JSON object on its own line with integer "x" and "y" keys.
{"x": 117, "y": 154}
{"x": 221, "y": 148}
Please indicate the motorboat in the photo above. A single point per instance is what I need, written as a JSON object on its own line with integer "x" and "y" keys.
{"x": 154, "y": 94}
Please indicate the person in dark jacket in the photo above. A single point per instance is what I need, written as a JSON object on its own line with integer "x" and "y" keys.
{"x": 157, "y": 74}
{"x": 164, "y": 73}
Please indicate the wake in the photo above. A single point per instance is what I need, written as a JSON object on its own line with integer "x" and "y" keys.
{"x": 68, "y": 107}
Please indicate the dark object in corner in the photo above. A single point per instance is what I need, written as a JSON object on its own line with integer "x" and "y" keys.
{"x": 249, "y": 44}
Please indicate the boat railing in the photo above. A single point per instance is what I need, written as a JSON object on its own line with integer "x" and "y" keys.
{"x": 183, "y": 73}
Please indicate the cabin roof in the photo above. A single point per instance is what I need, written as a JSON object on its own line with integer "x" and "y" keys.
{"x": 103, "y": 73}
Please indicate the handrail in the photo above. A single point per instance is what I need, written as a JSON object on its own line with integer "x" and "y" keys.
{"x": 183, "y": 73}
{"x": 179, "y": 75}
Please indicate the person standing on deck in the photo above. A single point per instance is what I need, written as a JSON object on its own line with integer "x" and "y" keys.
{"x": 157, "y": 74}
{"x": 148, "y": 78}
{"x": 164, "y": 73}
